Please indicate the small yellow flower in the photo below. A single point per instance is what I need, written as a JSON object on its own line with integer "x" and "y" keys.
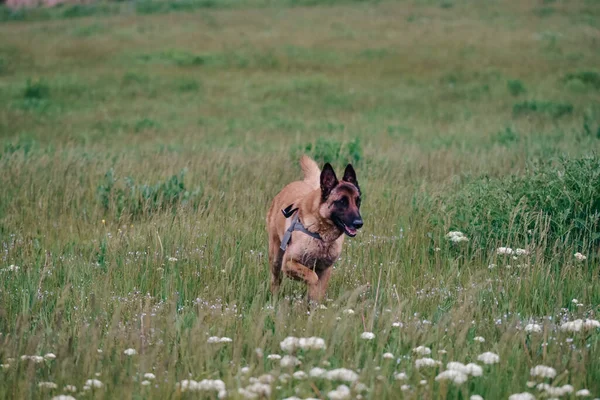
{"x": 103, "y": 222}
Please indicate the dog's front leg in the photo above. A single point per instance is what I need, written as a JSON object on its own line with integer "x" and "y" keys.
{"x": 295, "y": 270}
{"x": 317, "y": 292}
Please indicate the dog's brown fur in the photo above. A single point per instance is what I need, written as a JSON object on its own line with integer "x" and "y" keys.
{"x": 325, "y": 206}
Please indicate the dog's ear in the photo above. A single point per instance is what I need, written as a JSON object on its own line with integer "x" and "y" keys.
{"x": 350, "y": 176}
{"x": 328, "y": 181}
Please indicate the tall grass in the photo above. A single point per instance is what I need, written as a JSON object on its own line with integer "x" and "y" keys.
{"x": 138, "y": 157}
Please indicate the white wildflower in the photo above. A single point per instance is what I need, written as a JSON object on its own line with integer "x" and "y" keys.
{"x": 367, "y": 336}
{"x": 341, "y": 374}
{"x": 582, "y": 393}
{"x": 171, "y": 259}
{"x": 404, "y": 388}
{"x": 469, "y": 369}
{"x": 145, "y": 383}
{"x": 50, "y": 356}
{"x": 130, "y": 352}
{"x": 273, "y": 357}
{"x": 556, "y": 391}
{"x": 426, "y": 362}
{"x": 94, "y": 383}
{"x": 216, "y": 339}
{"x": 422, "y": 350}
{"x": 591, "y": 324}
{"x": 388, "y": 356}
{"x": 70, "y": 388}
{"x": 348, "y": 311}
{"x": 475, "y": 397}
{"x": 291, "y": 344}
{"x": 579, "y": 256}
{"x": 341, "y": 393}
{"x": 572, "y": 326}
{"x": 422, "y": 382}
{"x": 213, "y": 385}
{"x": 317, "y": 372}
{"x": 11, "y": 268}
{"x": 149, "y": 375}
{"x": 489, "y": 358}
{"x": 245, "y": 370}
{"x": 311, "y": 343}
{"x": 473, "y": 369}
{"x": 300, "y": 375}
{"x": 521, "y": 252}
{"x": 401, "y": 376}
{"x": 63, "y": 397}
{"x": 507, "y": 251}
{"x": 456, "y": 237}
{"x": 452, "y": 375}
{"x": 256, "y": 389}
{"x": 533, "y": 328}
{"x": 5, "y": 366}
{"x": 479, "y": 339}
{"x": 187, "y": 385}
{"x": 543, "y": 371}
{"x": 397, "y": 324}
{"x": 35, "y": 359}
{"x": 47, "y": 385}
{"x": 521, "y": 396}
{"x": 289, "y": 361}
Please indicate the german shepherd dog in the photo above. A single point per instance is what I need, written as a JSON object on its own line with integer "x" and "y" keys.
{"x": 306, "y": 224}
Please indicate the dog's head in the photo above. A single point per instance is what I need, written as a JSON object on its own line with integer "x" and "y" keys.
{"x": 340, "y": 200}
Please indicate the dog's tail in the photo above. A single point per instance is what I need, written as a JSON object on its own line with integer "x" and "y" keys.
{"x": 312, "y": 173}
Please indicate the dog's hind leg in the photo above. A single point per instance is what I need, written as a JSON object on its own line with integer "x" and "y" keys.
{"x": 275, "y": 258}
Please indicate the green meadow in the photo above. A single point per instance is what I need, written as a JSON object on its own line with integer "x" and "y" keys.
{"x": 142, "y": 142}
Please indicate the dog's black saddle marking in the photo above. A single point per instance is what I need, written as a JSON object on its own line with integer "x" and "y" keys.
{"x": 296, "y": 225}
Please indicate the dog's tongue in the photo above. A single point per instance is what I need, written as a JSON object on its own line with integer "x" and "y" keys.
{"x": 350, "y": 231}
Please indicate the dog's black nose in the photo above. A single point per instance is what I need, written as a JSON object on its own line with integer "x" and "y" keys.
{"x": 358, "y": 223}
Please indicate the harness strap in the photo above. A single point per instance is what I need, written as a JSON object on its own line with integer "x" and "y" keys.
{"x": 296, "y": 225}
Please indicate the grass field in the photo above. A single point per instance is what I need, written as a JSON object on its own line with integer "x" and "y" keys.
{"x": 139, "y": 152}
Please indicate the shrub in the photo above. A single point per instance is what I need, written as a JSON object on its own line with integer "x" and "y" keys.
{"x": 36, "y": 89}
{"x": 330, "y": 150}
{"x": 516, "y": 87}
{"x": 146, "y": 124}
{"x": 135, "y": 78}
{"x": 187, "y": 85}
{"x": 555, "y": 203}
{"x": 506, "y": 137}
{"x": 587, "y": 78}
{"x": 555, "y": 110}
{"x": 588, "y": 126}
{"x": 126, "y": 197}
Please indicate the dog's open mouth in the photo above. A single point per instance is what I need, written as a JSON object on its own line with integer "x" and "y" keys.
{"x": 348, "y": 230}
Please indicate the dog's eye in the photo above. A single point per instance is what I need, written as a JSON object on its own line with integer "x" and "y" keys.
{"x": 343, "y": 202}
{"x": 358, "y": 202}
